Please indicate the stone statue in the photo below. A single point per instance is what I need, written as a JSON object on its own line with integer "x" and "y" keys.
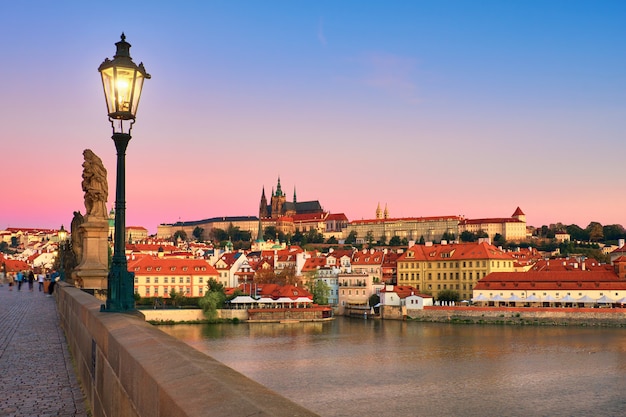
{"x": 95, "y": 185}
{"x": 77, "y": 235}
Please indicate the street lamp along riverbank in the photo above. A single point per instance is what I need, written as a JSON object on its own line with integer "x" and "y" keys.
{"x": 122, "y": 81}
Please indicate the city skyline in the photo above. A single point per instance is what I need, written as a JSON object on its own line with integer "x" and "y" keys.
{"x": 432, "y": 108}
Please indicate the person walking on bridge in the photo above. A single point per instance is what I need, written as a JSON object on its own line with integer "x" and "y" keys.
{"x": 19, "y": 277}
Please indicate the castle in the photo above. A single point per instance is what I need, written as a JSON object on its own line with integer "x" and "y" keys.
{"x": 280, "y": 207}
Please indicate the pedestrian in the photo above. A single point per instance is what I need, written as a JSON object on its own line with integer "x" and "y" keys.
{"x": 31, "y": 280}
{"x": 54, "y": 278}
{"x": 19, "y": 277}
{"x": 52, "y": 284}
{"x": 11, "y": 279}
{"x": 40, "y": 278}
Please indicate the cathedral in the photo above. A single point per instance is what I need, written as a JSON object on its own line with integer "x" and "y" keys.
{"x": 280, "y": 207}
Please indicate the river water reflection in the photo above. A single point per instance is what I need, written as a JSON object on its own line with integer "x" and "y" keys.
{"x": 354, "y": 367}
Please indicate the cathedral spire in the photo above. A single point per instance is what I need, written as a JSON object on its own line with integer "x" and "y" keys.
{"x": 379, "y": 212}
{"x": 295, "y": 200}
{"x": 279, "y": 191}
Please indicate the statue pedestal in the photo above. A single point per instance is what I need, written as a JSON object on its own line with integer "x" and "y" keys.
{"x": 93, "y": 270}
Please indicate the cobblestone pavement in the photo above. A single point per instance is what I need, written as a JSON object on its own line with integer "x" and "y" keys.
{"x": 37, "y": 378}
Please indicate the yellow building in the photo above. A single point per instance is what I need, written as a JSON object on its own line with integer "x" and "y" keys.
{"x": 434, "y": 268}
{"x": 158, "y": 277}
{"x": 510, "y": 228}
{"x": 411, "y": 228}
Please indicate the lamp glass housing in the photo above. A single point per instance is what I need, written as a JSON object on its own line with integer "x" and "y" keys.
{"x": 122, "y": 90}
{"x": 62, "y": 234}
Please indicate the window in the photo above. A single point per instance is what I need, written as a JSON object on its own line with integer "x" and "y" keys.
{"x": 165, "y": 280}
{"x": 136, "y": 280}
{"x": 156, "y": 280}
{"x": 201, "y": 280}
{"x": 188, "y": 280}
{"x": 180, "y": 280}
{"x": 147, "y": 280}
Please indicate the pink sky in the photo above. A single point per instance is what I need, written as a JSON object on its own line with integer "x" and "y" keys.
{"x": 440, "y": 111}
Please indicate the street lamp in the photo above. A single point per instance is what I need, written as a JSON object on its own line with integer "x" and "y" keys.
{"x": 62, "y": 246}
{"x": 122, "y": 80}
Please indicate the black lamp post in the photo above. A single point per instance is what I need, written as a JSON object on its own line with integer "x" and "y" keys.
{"x": 122, "y": 80}
{"x": 62, "y": 247}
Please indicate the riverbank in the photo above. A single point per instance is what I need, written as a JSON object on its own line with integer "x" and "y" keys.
{"x": 526, "y": 316}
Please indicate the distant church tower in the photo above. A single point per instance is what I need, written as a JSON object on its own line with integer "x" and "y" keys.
{"x": 263, "y": 206}
{"x": 278, "y": 200}
{"x": 386, "y": 213}
{"x": 379, "y": 213}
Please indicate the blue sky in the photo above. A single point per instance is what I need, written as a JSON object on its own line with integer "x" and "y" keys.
{"x": 430, "y": 107}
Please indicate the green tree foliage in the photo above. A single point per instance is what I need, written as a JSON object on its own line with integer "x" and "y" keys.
{"x": 499, "y": 240}
{"x": 448, "y": 295}
{"x": 382, "y": 241}
{"x": 271, "y": 233}
{"x": 369, "y": 238}
{"x": 351, "y": 239}
{"x": 180, "y": 234}
{"x": 332, "y": 240}
{"x": 577, "y": 233}
{"x": 596, "y": 232}
{"x": 395, "y": 241}
{"x": 373, "y": 300}
{"x": 177, "y": 298}
{"x": 467, "y": 236}
{"x": 213, "y": 299}
{"x": 422, "y": 241}
{"x": 613, "y": 232}
{"x": 197, "y": 233}
{"x": 320, "y": 291}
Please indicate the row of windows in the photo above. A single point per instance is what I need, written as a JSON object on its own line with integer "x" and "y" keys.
{"x": 453, "y": 276}
{"x": 173, "y": 268}
{"x": 155, "y": 291}
{"x": 166, "y": 280}
{"x": 444, "y": 265}
{"x": 451, "y": 287}
{"x": 356, "y": 292}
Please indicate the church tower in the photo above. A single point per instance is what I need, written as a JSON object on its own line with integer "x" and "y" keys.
{"x": 379, "y": 213}
{"x": 263, "y": 206}
{"x": 386, "y": 213}
{"x": 278, "y": 200}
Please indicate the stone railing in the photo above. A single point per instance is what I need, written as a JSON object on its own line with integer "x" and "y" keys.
{"x": 130, "y": 368}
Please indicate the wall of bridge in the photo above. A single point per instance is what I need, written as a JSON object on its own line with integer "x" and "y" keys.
{"x": 129, "y": 368}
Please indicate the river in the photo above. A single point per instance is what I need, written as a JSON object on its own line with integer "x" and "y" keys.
{"x": 355, "y": 367}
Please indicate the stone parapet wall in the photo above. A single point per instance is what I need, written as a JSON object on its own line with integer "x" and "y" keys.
{"x": 129, "y": 368}
{"x": 522, "y": 315}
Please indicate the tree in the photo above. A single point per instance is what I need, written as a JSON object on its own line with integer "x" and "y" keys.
{"x": 373, "y": 300}
{"x": 218, "y": 235}
{"x": 395, "y": 241}
{"x": 499, "y": 240}
{"x": 178, "y": 298}
{"x": 351, "y": 239}
{"x": 448, "y": 295}
{"x": 320, "y": 291}
{"x": 577, "y": 233}
{"x": 383, "y": 240}
{"x": 213, "y": 299}
{"x": 596, "y": 232}
{"x": 180, "y": 234}
{"x": 369, "y": 238}
{"x": 422, "y": 241}
{"x": 332, "y": 240}
{"x": 197, "y": 233}
{"x": 467, "y": 236}
{"x": 614, "y": 232}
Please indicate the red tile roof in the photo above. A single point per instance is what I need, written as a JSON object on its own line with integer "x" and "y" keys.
{"x": 561, "y": 280}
